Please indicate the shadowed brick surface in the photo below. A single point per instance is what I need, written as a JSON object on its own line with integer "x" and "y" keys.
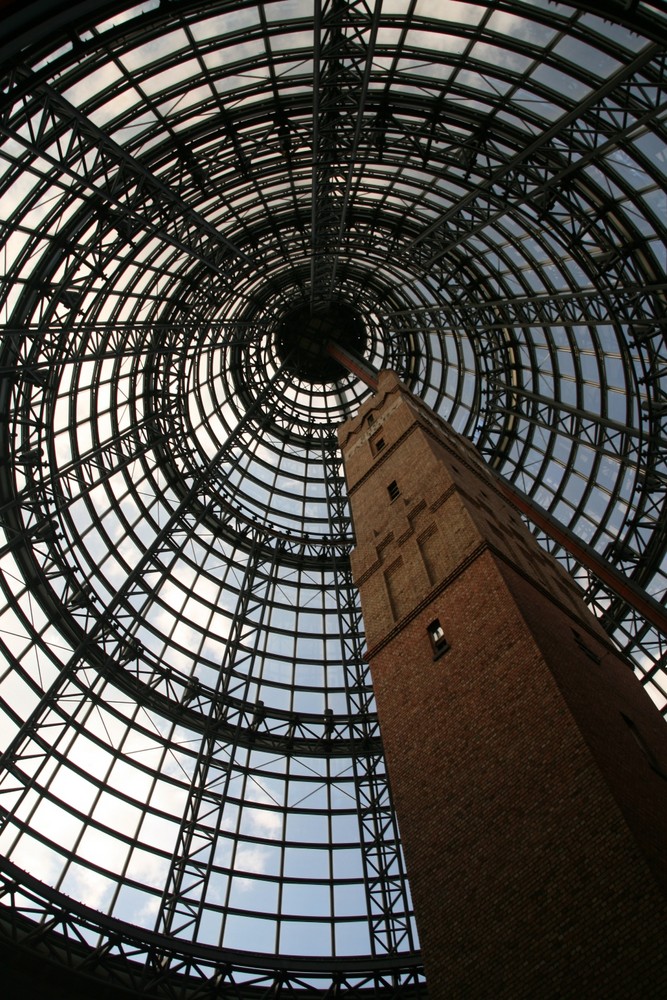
{"x": 528, "y": 765}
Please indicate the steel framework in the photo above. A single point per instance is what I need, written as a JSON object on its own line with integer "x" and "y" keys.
{"x": 193, "y": 797}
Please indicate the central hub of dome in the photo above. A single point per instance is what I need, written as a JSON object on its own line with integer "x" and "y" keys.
{"x": 303, "y": 336}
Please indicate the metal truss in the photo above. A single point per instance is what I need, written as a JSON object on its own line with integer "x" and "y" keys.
{"x": 643, "y": 644}
{"x": 627, "y": 102}
{"x": 390, "y": 909}
{"x": 639, "y": 314}
{"x": 345, "y": 35}
{"x": 513, "y": 402}
{"x": 187, "y": 882}
{"x": 105, "y": 636}
{"x": 125, "y": 195}
{"x": 159, "y": 965}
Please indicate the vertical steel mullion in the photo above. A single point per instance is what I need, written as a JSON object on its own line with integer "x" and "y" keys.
{"x": 387, "y": 898}
{"x": 184, "y": 868}
{"x": 329, "y": 208}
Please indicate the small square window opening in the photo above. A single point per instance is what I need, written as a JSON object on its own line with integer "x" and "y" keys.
{"x": 437, "y": 636}
{"x": 393, "y": 490}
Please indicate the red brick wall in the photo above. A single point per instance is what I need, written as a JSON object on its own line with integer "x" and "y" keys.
{"x": 534, "y": 824}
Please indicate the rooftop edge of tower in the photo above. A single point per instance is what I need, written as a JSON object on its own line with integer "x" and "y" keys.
{"x": 359, "y": 435}
{"x": 388, "y": 382}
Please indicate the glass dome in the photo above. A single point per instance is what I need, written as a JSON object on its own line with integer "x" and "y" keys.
{"x": 193, "y": 197}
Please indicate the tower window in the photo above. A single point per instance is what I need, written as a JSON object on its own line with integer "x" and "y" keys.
{"x": 377, "y": 444}
{"x": 436, "y": 634}
{"x": 643, "y": 746}
{"x": 590, "y": 653}
{"x": 393, "y": 490}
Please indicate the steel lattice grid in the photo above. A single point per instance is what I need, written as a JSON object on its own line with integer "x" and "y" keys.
{"x": 191, "y": 745}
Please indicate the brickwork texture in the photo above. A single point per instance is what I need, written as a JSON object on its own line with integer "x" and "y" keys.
{"x": 527, "y": 764}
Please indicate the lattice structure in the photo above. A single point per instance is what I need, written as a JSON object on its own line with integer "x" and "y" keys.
{"x": 193, "y": 787}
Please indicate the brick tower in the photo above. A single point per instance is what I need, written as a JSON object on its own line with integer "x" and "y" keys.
{"x": 528, "y": 766}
